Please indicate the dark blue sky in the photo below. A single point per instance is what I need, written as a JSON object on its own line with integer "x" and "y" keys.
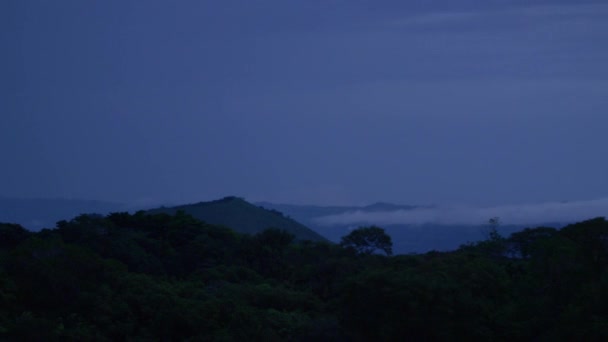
{"x": 305, "y": 101}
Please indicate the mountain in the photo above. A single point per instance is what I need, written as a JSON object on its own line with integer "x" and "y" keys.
{"x": 243, "y": 217}
{"x": 35, "y": 214}
{"x": 307, "y": 214}
{"x": 407, "y": 238}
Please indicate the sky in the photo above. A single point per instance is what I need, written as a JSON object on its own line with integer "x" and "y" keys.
{"x": 491, "y": 103}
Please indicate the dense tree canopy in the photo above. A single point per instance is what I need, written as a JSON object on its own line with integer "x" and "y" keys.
{"x": 171, "y": 277}
{"x": 367, "y": 240}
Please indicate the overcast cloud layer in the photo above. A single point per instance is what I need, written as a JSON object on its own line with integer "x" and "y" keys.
{"x": 324, "y": 102}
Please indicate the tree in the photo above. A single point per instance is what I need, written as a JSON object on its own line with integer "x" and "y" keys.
{"x": 367, "y": 240}
{"x": 523, "y": 244}
{"x": 491, "y": 232}
{"x": 494, "y": 245}
{"x": 12, "y": 234}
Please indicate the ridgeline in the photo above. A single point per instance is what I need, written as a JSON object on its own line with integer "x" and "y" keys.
{"x": 243, "y": 217}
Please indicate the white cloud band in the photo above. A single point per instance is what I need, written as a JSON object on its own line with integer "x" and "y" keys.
{"x": 527, "y": 214}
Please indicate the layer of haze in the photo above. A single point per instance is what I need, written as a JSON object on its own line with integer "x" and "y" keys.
{"x": 521, "y": 214}
{"x": 325, "y": 102}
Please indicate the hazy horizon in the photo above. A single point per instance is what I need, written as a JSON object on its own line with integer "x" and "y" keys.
{"x": 540, "y": 213}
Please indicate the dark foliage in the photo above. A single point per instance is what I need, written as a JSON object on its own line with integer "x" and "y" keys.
{"x": 243, "y": 217}
{"x": 171, "y": 277}
{"x": 367, "y": 240}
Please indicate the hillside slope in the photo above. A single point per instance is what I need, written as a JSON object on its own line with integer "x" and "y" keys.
{"x": 243, "y": 217}
{"x": 407, "y": 238}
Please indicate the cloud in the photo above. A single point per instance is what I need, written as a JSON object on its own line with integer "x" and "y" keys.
{"x": 510, "y": 17}
{"x": 525, "y": 214}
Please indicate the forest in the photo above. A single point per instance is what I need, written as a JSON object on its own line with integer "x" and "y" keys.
{"x": 171, "y": 277}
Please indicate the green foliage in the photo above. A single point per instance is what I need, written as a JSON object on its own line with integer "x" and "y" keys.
{"x": 523, "y": 243}
{"x": 367, "y": 240}
{"x": 172, "y": 277}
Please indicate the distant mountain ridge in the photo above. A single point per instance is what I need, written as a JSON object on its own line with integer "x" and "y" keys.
{"x": 304, "y": 213}
{"x": 407, "y": 238}
{"x": 236, "y": 213}
{"x": 306, "y": 222}
{"x": 243, "y": 217}
{"x": 37, "y": 213}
